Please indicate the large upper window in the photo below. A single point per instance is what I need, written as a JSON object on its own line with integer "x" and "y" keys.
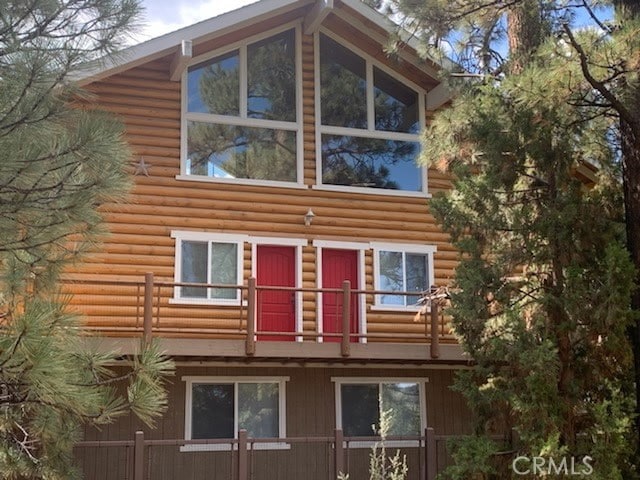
{"x": 369, "y": 123}
{"x": 361, "y": 403}
{"x": 240, "y": 116}
{"x": 402, "y": 268}
{"x": 220, "y": 407}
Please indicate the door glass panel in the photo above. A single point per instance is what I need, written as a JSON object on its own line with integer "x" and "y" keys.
{"x": 194, "y": 268}
{"x": 214, "y": 86}
{"x": 224, "y": 269}
{"x": 343, "y": 86}
{"x": 272, "y": 78}
{"x": 258, "y": 409}
{"x": 360, "y": 410}
{"x": 391, "y": 277}
{"x": 416, "y": 275}
{"x": 212, "y": 411}
{"x": 402, "y": 400}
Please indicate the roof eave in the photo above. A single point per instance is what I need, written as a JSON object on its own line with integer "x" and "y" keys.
{"x": 198, "y": 32}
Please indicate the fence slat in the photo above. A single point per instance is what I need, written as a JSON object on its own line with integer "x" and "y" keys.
{"x": 431, "y": 452}
{"x": 148, "y": 306}
{"x": 243, "y": 470}
{"x": 339, "y": 452}
{"x": 138, "y": 456}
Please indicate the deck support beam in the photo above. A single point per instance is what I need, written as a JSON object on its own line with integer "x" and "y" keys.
{"x": 148, "y": 307}
{"x": 435, "y": 337}
{"x": 250, "y": 345}
{"x": 437, "y": 97}
{"x": 316, "y": 15}
{"x": 180, "y": 60}
{"x": 345, "y": 349}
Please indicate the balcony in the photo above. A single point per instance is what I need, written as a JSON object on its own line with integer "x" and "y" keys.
{"x": 323, "y": 323}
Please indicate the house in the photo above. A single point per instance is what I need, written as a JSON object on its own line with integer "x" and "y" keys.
{"x": 276, "y": 242}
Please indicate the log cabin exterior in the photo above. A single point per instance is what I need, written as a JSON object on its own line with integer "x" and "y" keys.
{"x": 275, "y": 240}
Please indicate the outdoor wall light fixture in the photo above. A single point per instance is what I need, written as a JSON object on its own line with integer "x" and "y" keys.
{"x": 308, "y": 217}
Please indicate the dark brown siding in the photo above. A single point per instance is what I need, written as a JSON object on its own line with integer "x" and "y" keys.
{"x": 310, "y": 411}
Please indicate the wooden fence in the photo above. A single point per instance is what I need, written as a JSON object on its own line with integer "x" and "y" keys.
{"x": 137, "y": 463}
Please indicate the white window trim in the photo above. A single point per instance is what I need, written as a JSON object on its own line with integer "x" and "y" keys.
{"x": 370, "y": 131}
{"x": 188, "y": 411}
{"x": 377, "y": 247}
{"x": 362, "y": 305}
{"x": 180, "y": 236}
{"x": 421, "y": 381}
{"x": 298, "y": 244}
{"x": 242, "y": 119}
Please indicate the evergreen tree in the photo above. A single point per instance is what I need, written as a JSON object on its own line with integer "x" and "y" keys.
{"x": 60, "y": 159}
{"x": 545, "y": 287}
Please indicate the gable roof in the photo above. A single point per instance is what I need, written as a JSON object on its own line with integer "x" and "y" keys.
{"x": 228, "y": 22}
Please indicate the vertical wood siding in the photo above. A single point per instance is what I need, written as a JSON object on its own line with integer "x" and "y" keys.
{"x": 310, "y": 411}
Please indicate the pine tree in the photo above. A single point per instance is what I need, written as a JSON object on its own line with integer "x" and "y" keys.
{"x": 60, "y": 159}
{"x": 545, "y": 285}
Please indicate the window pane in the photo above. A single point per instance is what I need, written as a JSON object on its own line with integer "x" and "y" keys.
{"x": 403, "y": 400}
{"x": 258, "y": 409}
{"x": 212, "y": 411}
{"x": 360, "y": 410}
{"x": 417, "y": 279}
{"x": 214, "y": 86}
{"x": 343, "y": 86}
{"x": 224, "y": 269}
{"x": 227, "y": 151}
{"x": 396, "y": 105}
{"x": 391, "y": 277}
{"x": 194, "y": 268}
{"x": 272, "y": 78}
{"x": 369, "y": 162}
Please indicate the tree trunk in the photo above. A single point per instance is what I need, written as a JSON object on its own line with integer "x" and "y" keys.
{"x": 629, "y": 10}
{"x": 524, "y": 33}
{"x": 630, "y": 137}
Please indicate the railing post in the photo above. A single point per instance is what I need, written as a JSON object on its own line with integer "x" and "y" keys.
{"x": 346, "y": 317}
{"x": 148, "y": 307}
{"x": 250, "y": 346}
{"x": 243, "y": 471}
{"x": 138, "y": 456}
{"x": 339, "y": 452}
{"x": 431, "y": 453}
{"x": 435, "y": 335}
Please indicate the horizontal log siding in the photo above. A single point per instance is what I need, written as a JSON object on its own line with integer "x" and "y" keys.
{"x": 140, "y": 240}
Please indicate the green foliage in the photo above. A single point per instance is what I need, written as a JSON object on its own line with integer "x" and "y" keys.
{"x": 544, "y": 279}
{"x": 381, "y": 465}
{"x": 60, "y": 160}
{"x": 478, "y": 451}
{"x": 545, "y": 283}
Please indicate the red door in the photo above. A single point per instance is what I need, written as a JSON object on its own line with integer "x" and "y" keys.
{"x": 337, "y": 266}
{"x": 276, "y": 309}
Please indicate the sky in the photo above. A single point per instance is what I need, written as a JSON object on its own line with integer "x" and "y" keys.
{"x": 164, "y": 16}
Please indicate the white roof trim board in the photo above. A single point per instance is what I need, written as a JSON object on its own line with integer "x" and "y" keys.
{"x": 197, "y": 33}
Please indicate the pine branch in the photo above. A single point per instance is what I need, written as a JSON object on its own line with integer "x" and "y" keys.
{"x": 624, "y": 113}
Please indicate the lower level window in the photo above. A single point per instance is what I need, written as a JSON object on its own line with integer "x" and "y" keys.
{"x": 219, "y": 408}
{"x": 360, "y": 406}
